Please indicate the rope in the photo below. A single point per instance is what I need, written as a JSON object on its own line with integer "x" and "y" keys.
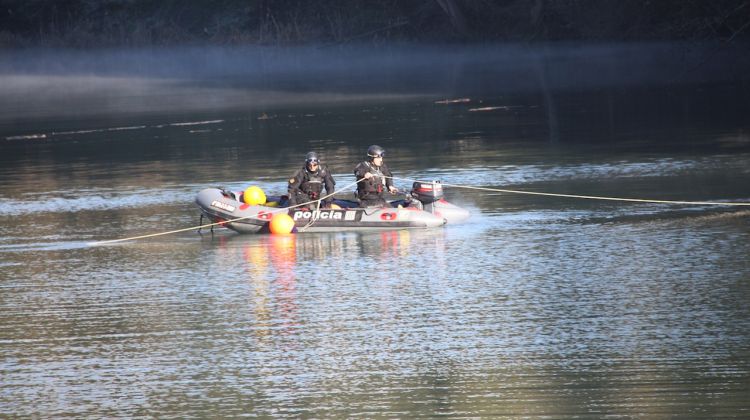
{"x": 277, "y": 210}
{"x": 312, "y": 219}
{"x": 501, "y": 190}
{"x": 587, "y": 197}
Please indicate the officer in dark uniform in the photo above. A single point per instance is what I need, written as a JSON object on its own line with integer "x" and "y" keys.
{"x": 308, "y": 182}
{"x": 375, "y": 179}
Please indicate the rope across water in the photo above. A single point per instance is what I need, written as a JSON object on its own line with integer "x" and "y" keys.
{"x": 500, "y": 190}
{"x": 276, "y": 210}
{"x": 587, "y": 197}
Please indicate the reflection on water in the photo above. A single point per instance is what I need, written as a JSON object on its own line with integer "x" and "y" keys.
{"x": 535, "y": 307}
{"x": 535, "y": 320}
{"x": 282, "y": 254}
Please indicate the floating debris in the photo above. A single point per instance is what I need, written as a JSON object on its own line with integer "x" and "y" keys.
{"x": 27, "y": 137}
{"x": 453, "y": 101}
{"x": 488, "y": 108}
{"x": 196, "y": 123}
{"x": 42, "y": 136}
{"x": 495, "y": 108}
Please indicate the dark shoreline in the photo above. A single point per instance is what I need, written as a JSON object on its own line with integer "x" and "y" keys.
{"x": 144, "y": 23}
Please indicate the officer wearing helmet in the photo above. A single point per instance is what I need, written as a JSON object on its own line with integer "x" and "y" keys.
{"x": 375, "y": 179}
{"x": 308, "y": 182}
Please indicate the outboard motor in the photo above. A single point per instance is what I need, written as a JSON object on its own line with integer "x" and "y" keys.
{"x": 427, "y": 193}
{"x": 430, "y": 196}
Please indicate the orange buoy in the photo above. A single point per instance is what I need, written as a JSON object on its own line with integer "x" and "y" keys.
{"x": 281, "y": 224}
{"x": 254, "y": 196}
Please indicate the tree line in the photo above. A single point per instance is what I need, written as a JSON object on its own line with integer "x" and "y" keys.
{"x": 95, "y": 23}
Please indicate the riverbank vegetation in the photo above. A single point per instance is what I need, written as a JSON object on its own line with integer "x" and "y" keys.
{"x": 137, "y": 23}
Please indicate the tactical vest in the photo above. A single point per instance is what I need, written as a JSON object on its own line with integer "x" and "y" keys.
{"x": 313, "y": 183}
{"x": 373, "y": 186}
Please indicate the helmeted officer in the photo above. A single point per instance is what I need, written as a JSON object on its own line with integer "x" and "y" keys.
{"x": 375, "y": 179}
{"x": 308, "y": 182}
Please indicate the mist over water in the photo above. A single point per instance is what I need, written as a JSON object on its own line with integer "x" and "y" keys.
{"x": 73, "y": 83}
{"x": 535, "y": 307}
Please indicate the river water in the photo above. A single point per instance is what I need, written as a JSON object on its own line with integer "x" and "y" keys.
{"x": 535, "y": 307}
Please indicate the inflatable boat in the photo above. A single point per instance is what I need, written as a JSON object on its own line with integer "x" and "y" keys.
{"x": 423, "y": 207}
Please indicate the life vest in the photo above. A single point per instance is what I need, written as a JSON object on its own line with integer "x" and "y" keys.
{"x": 373, "y": 186}
{"x": 312, "y": 185}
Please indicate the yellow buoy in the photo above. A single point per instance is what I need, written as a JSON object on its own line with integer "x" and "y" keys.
{"x": 281, "y": 224}
{"x": 254, "y": 196}
{"x": 335, "y": 206}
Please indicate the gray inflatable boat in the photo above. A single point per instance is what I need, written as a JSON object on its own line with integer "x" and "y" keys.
{"x": 424, "y": 207}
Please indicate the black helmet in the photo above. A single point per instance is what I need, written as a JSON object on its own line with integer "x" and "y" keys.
{"x": 311, "y": 157}
{"x": 375, "y": 151}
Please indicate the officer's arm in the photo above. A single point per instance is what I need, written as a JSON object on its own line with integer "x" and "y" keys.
{"x": 330, "y": 185}
{"x": 362, "y": 171}
{"x": 388, "y": 176}
{"x": 294, "y": 182}
{"x": 359, "y": 171}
